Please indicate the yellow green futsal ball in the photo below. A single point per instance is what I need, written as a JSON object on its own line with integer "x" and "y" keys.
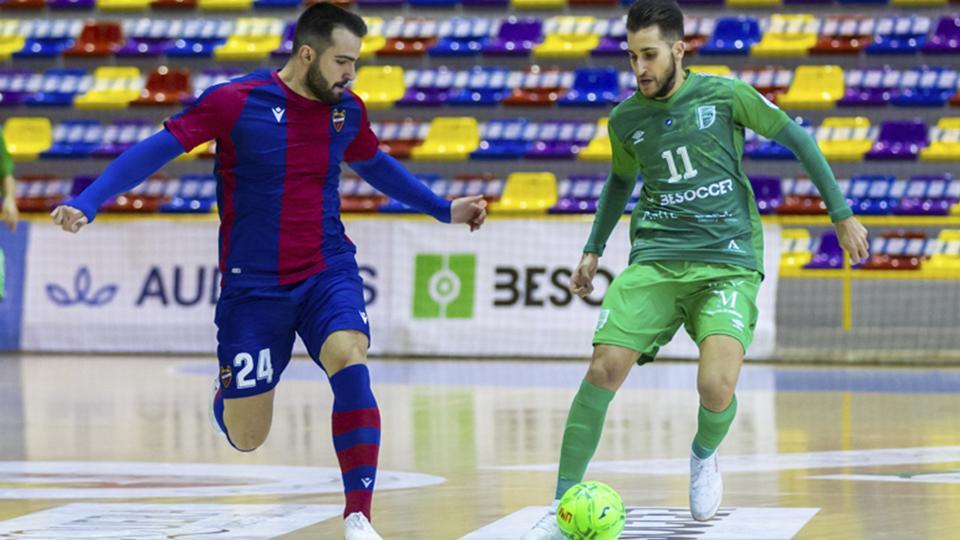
{"x": 591, "y": 511}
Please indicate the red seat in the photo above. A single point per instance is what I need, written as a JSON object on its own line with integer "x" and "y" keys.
{"x": 802, "y": 204}
{"x": 892, "y": 262}
{"x": 406, "y": 135}
{"x": 955, "y": 100}
{"x": 407, "y": 46}
{"x": 35, "y": 193}
{"x": 148, "y": 201}
{"x": 100, "y": 38}
{"x": 173, "y": 4}
{"x": 23, "y": 4}
{"x": 842, "y": 38}
{"x": 541, "y": 96}
{"x": 165, "y": 86}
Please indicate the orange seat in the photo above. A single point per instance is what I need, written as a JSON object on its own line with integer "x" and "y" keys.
{"x": 407, "y": 46}
{"x": 802, "y": 204}
{"x": 165, "y": 86}
{"x": 147, "y": 198}
{"x": 173, "y": 4}
{"x": 36, "y": 192}
{"x": 545, "y": 95}
{"x": 99, "y": 38}
{"x": 24, "y": 4}
{"x": 400, "y": 138}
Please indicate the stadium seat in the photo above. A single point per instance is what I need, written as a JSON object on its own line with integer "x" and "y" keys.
{"x": 119, "y": 136}
{"x": 23, "y": 4}
{"x": 14, "y": 84}
{"x": 27, "y": 137}
{"x": 113, "y": 88}
{"x": 946, "y": 38}
{"x": 899, "y": 35}
{"x": 516, "y": 37}
{"x": 253, "y": 39}
{"x": 502, "y": 139}
{"x": 146, "y": 198}
{"x": 73, "y": 139}
{"x": 173, "y": 4}
{"x": 537, "y": 87}
{"x": 427, "y": 87}
{"x": 870, "y": 195}
{"x": 374, "y": 40}
{"x": 593, "y": 87}
{"x": 380, "y": 86}
{"x": 800, "y": 197}
{"x": 928, "y": 195}
{"x": 484, "y": 87}
{"x": 757, "y": 147}
{"x": 437, "y": 184}
{"x": 598, "y": 149}
{"x": 944, "y": 141}
{"x": 72, "y": 5}
{"x": 696, "y": 32}
{"x": 60, "y": 87}
{"x": 538, "y": 4}
{"x": 946, "y": 261}
{"x": 768, "y": 193}
{"x": 845, "y": 138}
{"x": 919, "y": 3}
{"x": 225, "y": 5}
{"x": 568, "y": 37}
{"x": 787, "y": 36}
{"x": 11, "y": 39}
{"x": 47, "y": 39}
{"x": 732, "y": 36}
{"x": 813, "y": 87}
{"x": 194, "y": 194}
{"x": 561, "y": 140}
{"x": 468, "y": 185}
{"x": 485, "y": 4}
{"x": 753, "y": 3}
{"x": 925, "y": 87}
{"x": 462, "y": 36}
{"x": 399, "y": 138}
{"x": 527, "y": 193}
{"x": 899, "y": 140}
{"x": 408, "y": 37}
{"x": 578, "y": 194}
{"x": 829, "y": 254}
{"x": 869, "y": 87}
{"x": 449, "y": 139}
{"x": 357, "y": 196}
{"x": 165, "y": 86}
{"x": 769, "y": 81}
{"x": 123, "y": 5}
{"x": 147, "y": 37}
{"x": 200, "y": 38}
{"x": 41, "y": 193}
{"x": 613, "y": 37}
{"x": 286, "y": 41}
{"x": 794, "y": 249}
{"x": 843, "y": 34}
{"x": 718, "y": 70}
{"x": 98, "y": 38}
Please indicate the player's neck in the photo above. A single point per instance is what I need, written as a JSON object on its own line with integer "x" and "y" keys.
{"x": 677, "y": 84}
{"x": 290, "y": 78}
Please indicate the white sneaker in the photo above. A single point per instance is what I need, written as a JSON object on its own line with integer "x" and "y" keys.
{"x": 546, "y": 528}
{"x": 706, "y": 487}
{"x": 356, "y": 527}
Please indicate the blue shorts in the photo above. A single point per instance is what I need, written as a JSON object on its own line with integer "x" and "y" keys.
{"x": 256, "y": 326}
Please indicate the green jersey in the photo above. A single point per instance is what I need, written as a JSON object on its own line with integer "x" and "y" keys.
{"x": 696, "y": 203}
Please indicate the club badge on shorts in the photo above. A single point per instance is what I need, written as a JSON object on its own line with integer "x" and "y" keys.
{"x": 339, "y": 117}
{"x": 226, "y": 377}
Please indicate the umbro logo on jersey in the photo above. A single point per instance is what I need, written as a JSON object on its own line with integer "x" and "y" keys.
{"x": 638, "y": 136}
{"x": 278, "y": 113}
{"x": 706, "y": 116}
{"x": 339, "y": 117}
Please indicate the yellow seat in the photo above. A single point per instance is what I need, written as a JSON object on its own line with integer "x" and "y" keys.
{"x": 10, "y": 39}
{"x": 539, "y": 4}
{"x": 813, "y": 87}
{"x": 788, "y": 35}
{"x": 945, "y": 141}
{"x": 844, "y": 138}
{"x": 946, "y": 261}
{"x": 113, "y": 88}
{"x": 225, "y": 5}
{"x": 380, "y": 86}
{"x": 202, "y": 148}
{"x": 123, "y": 5}
{"x": 27, "y": 137}
{"x": 449, "y": 139}
{"x": 599, "y": 148}
{"x": 374, "y": 40}
{"x": 253, "y": 39}
{"x": 571, "y": 37}
{"x": 527, "y": 193}
{"x": 916, "y": 3}
{"x": 718, "y": 70}
{"x": 795, "y": 249}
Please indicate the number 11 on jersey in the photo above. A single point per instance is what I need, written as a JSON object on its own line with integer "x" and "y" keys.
{"x": 675, "y": 176}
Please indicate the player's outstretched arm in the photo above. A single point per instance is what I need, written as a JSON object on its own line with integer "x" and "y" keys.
{"x": 386, "y": 174}
{"x": 122, "y": 175}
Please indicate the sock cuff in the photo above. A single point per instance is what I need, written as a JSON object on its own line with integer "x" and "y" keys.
{"x": 594, "y": 396}
{"x": 351, "y": 389}
{"x": 724, "y": 415}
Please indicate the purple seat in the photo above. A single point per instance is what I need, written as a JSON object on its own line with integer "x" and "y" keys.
{"x": 768, "y": 192}
{"x": 379, "y": 3}
{"x": 899, "y": 139}
{"x": 579, "y": 194}
{"x": 946, "y": 38}
{"x": 560, "y": 140}
{"x": 286, "y": 42}
{"x": 70, "y": 4}
{"x": 429, "y": 88}
{"x": 869, "y": 87}
{"x": 829, "y": 254}
{"x": 927, "y": 195}
{"x": 516, "y": 37}
{"x": 144, "y": 47}
{"x": 13, "y": 87}
{"x": 485, "y": 3}
{"x": 122, "y": 134}
{"x": 610, "y": 46}
{"x": 700, "y": 2}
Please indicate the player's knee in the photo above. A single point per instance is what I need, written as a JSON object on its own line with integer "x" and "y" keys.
{"x": 245, "y": 439}
{"x": 716, "y": 391}
{"x": 605, "y": 374}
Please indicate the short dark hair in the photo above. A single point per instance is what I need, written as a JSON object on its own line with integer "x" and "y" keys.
{"x": 317, "y": 23}
{"x": 665, "y": 14}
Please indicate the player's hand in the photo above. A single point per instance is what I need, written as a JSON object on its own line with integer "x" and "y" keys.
{"x": 10, "y": 214}
{"x": 470, "y": 210}
{"x": 69, "y": 218}
{"x": 581, "y": 282}
{"x": 853, "y": 239}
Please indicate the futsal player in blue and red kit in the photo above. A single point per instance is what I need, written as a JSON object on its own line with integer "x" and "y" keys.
{"x": 288, "y": 267}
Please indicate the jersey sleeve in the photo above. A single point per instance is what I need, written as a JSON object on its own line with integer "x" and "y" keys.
{"x": 6, "y": 162}
{"x": 623, "y": 163}
{"x": 210, "y": 117}
{"x": 365, "y": 145}
{"x": 751, "y": 109}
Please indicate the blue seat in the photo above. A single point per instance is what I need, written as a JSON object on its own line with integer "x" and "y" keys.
{"x": 593, "y": 87}
{"x": 925, "y": 87}
{"x": 768, "y": 192}
{"x": 14, "y": 84}
{"x": 59, "y": 87}
{"x": 195, "y": 194}
{"x": 502, "y": 139}
{"x": 433, "y": 3}
{"x": 200, "y": 38}
{"x": 871, "y": 194}
{"x": 485, "y": 87}
{"x": 74, "y": 139}
{"x": 764, "y": 148}
{"x": 462, "y": 37}
{"x": 48, "y": 39}
{"x": 435, "y": 182}
{"x": 578, "y": 194}
{"x": 899, "y": 35}
{"x": 277, "y": 4}
{"x": 732, "y": 35}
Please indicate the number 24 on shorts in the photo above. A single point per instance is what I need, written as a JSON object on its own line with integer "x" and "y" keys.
{"x": 244, "y": 361}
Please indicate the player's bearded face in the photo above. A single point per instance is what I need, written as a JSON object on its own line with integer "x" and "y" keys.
{"x": 654, "y": 62}
{"x": 323, "y": 89}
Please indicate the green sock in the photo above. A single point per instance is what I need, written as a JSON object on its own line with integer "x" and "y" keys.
{"x": 712, "y": 428}
{"x": 581, "y": 434}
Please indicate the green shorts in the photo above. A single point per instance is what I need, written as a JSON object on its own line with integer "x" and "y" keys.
{"x": 647, "y": 303}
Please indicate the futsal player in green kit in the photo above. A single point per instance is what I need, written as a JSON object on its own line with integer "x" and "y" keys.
{"x": 696, "y": 255}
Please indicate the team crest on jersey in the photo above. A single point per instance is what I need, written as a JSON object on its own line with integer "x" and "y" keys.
{"x": 706, "y": 115}
{"x": 339, "y": 117}
{"x": 226, "y": 377}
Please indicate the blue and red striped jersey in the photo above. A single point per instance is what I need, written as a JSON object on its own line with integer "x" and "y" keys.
{"x": 278, "y": 172}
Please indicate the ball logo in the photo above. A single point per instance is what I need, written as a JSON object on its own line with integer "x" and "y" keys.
{"x": 444, "y": 286}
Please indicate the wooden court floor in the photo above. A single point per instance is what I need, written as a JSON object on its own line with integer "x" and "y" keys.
{"x": 121, "y": 448}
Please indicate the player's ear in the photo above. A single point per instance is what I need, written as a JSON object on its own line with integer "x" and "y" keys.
{"x": 307, "y": 54}
{"x": 679, "y": 48}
